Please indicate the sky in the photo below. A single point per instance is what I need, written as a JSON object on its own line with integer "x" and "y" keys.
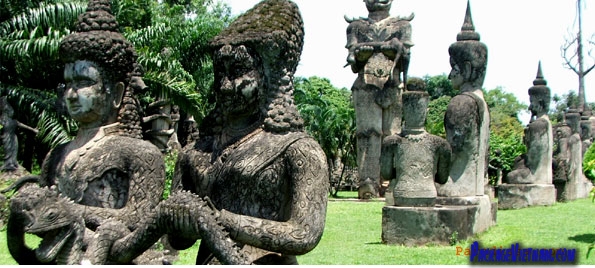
{"x": 518, "y": 34}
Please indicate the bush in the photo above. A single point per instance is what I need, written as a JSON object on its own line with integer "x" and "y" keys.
{"x": 589, "y": 163}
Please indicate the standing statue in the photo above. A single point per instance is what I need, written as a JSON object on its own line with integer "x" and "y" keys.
{"x": 561, "y": 158}
{"x": 534, "y": 167}
{"x": 266, "y": 178}
{"x": 414, "y": 159}
{"x": 467, "y": 119}
{"x": 379, "y": 51}
{"x": 586, "y": 132}
{"x": 107, "y": 172}
{"x": 9, "y": 136}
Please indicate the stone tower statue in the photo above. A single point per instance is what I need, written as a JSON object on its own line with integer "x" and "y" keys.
{"x": 535, "y": 167}
{"x": 379, "y": 52}
{"x": 467, "y": 118}
{"x": 530, "y": 181}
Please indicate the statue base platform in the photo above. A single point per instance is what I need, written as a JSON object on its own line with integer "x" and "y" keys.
{"x": 515, "y": 196}
{"x": 568, "y": 191}
{"x": 412, "y": 226}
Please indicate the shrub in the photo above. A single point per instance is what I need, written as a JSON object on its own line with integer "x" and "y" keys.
{"x": 589, "y": 163}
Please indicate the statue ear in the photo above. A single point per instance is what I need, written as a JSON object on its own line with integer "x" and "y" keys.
{"x": 467, "y": 71}
{"x": 118, "y": 94}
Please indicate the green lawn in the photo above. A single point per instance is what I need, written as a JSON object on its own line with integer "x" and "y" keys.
{"x": 353, "y": 229}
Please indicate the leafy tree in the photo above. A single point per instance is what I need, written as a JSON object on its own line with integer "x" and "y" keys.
{"x": 435, "y": 118}
{"x": 329, "y": 117}
{"x": 438, "y": 86}
{"x": 562, "y": 104}
{"x": 506, "y": 131}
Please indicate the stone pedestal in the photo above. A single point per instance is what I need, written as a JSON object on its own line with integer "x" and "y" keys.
{"x": 514, "y": 196}
{"x": 411, "y": 226}
{"x": 568, "y": 191}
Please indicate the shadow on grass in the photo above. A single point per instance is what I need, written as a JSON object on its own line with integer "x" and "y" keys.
{"x": 584, "y": 238}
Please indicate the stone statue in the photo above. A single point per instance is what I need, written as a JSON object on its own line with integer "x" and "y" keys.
{"x": 107, "y": 171}
{"x": 467, "y": 118}
{"x": 267, "y": 179}
{"x": 414, "y": 159}
{"x": 10, "y": 141}
{"x": 575, "y": 185}
{"x": 561, "y": 158}
{"x": 530, "y": 181}
{"x": 534, "y": 167}
{"x": 586, "y": 132}
{"x": 379, "y": 51}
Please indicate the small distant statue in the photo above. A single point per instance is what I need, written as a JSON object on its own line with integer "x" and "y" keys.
{"x": 534, "y": 167}
{"x": 467, "y": 118}
{"x": 414, "y": 159}
{"x": 9, "y": 136}
{"x": 107, "y": 172}
{"x": 379, "y": 52}
{"x": 586, "y": 132}
{"x": 561, "y": 157}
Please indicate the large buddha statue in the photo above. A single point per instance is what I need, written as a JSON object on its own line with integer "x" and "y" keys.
{"x": 467, "y": 118}
{"x": 535, "y": 166}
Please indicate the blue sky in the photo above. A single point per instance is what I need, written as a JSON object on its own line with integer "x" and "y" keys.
{"x": 518, "y": 33}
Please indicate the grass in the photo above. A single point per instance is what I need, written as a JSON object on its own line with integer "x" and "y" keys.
{"x": 353, "y": 229}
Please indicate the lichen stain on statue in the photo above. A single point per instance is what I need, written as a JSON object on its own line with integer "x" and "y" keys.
{"x": 379, "y": 52}
{"x": 534, "y": 167}
{"x": 107, "y": 171}
{"x": 267, "y": 179}
{"x": 414, "y": 160}
{"x": 466, "y": 121}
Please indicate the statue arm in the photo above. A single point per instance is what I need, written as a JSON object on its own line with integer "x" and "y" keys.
{"x": 387, "y": 170}
{"x": 443, "y": 165}
{"x": 301, "y": 232}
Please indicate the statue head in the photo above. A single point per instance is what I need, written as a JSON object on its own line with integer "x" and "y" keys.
{"x": 101, "y": 72}
{"x": 539, "y": 95}
{"x": 378, "y": 5}
{"x": 415, "y": 105}
{"x": 255, "y": 59}
{"x": 573, "y": 119}
{"x": 468, "y": 56}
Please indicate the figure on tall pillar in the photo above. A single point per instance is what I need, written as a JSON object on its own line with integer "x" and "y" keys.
{"x": 414, "y": 159}
{"x": 535, "y": 166}
{"x": 379, "y": 52}
{"x": 467, "y": 118}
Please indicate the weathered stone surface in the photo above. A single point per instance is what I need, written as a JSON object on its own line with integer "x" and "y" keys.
{"x": 467, "y": 118}
{"x": 107, "y": 172}
{"x": 514, "y": 196}
{"x": 413, "y": 226}
{"x": 413, "y": 160}
{"x": 569, "y": 179}
{"x": 379, "y": 52}
{"x": 534, "y": 167}
{"x": 267, "y": 179}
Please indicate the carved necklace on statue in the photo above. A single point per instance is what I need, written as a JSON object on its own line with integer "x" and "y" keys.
{"x": 233, "y": 137}
{"x": 414, "y": 135}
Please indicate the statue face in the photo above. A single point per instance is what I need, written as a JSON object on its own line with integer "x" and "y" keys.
{"x": 85, "y": 96}
{"x": 378, "y": 5}
{"x": 456, "y": 75}
{"x": 536, "y": 106}
{"x": 239, "y": 82}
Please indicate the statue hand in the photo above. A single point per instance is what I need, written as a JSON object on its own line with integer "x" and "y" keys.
{"x": 364, "y": 52}
{"x": 392, "y": 49}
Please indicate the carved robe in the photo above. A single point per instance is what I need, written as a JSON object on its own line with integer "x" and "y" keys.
{"x": 273, "y": 188}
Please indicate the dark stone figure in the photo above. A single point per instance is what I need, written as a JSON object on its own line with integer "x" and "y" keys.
{"x": 534, "y": 167}
{"x": 379, "y": 52}
{"x": 467, "y": 118}
{"x": 107, "y": 172}
{"x": 267, "y": 178}
{"x": 414, "y": 159}
{"x": 10, "y": 140}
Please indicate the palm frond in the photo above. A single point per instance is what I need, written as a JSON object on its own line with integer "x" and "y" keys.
{"x": 57, "y": 15}
{"x": 32, "y": 43}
